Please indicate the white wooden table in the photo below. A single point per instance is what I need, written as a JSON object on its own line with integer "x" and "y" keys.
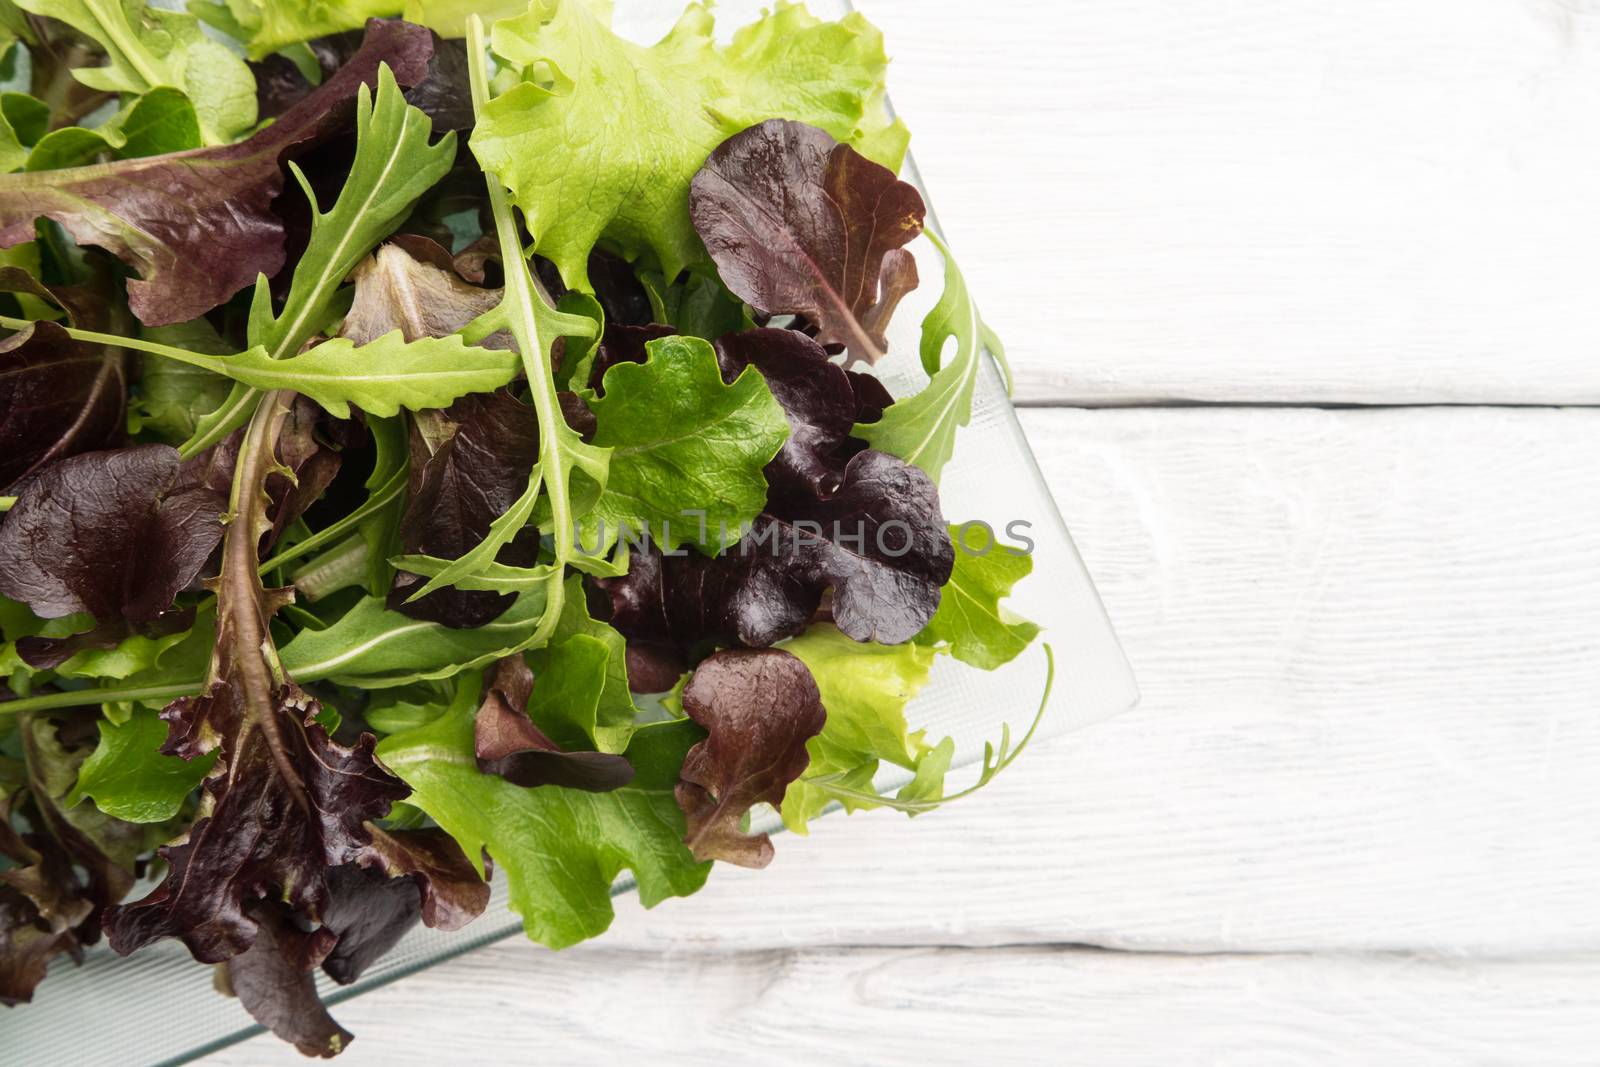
{"x": 1243, "y": 253}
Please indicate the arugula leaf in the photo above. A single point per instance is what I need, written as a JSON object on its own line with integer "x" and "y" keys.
{"x": 865, "y": 688}
{"x": 527, "y": 313}
{"x": 922, "y": 429}
{"x": 380, "y": 377}
{"x": 638, "y": 122}
{"x": 682, "y": 442}
{"x": 798, "y": 223}
{"x": 374, "y": 647}
{"x": 560, "y": 849}
{"x": 149, "y": 47}
{"x": 127, "y": 776}
{"x": 970, "y": 619}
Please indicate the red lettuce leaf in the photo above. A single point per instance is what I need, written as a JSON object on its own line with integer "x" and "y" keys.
{"x": 880, "y": 543}
{"x": 115, "y": 534}
{"x": 798, "y": 223}
{"x": 198, "y": 226}
{"x": 58, "y": 396}
{"x": 286, "y": 804}
{"x": 759, "y": 707}
{"x": 508, "y": 744}
{"x": 817, "y": 397}
{"x": 274, "y": 980}
{"x": 469, "y": 464}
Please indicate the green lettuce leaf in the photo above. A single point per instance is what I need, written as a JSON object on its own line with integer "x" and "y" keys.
{"x": 560, "y": 849}
{"x": 865, "y": 688}
{"x": 148, "y": 47}
{"x": 172, "y": 396}
{"x": 162, "y": 120}
{"x": 638, "y": 122}
{"x": 128, "y": 778}
{"x": 609, "y": 724}
{"x": 683, "y": 441}
{"x": 970, "y": 619}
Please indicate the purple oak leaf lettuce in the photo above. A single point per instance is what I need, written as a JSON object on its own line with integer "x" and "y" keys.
{"x": 798, "y": 223}
{"x": 759, "y": 707}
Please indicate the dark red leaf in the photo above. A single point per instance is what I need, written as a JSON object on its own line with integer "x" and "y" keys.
{"x": 817, "y": 399}
{"x": 198, "y": 226}
{"x": 509, "y": 744}
{"x": 759, "y": 708}
{"x": 116, "y": 534}
{"x": 798, "y": 223}
{"x": 469, "y": 463}
{"x": 274, "y": 980}
{"x": 58, "y": 396}
{"x": 879, "y": 543}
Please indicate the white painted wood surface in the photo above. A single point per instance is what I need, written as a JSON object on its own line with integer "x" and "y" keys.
{"x": 1286, "y": 200}
{"x": 1012, "y": 1006}
{"x": 1365, "y": 777}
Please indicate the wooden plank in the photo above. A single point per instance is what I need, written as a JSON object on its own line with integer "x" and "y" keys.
{"x": 1362, "y": 202}
{"x": 1369, "y": 646}
{"x": 1001, "y": 1006}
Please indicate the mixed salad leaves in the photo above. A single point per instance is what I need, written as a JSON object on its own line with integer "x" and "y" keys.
{"x": 424, "y": 450}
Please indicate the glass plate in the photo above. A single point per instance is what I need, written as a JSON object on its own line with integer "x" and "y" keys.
{"x": 158, "y": 1006}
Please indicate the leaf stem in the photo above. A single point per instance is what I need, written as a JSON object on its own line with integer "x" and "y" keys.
{"x": 521, "y": 290}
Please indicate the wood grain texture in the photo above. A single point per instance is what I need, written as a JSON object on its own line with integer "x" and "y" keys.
{"x": 1241, "y": 200}
{"x": 880, "y": 1006}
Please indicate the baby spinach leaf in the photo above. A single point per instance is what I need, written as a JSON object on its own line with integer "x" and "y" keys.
{"x": 798, "y": 223}
{"x": 759, "y": 708}
{"x": 128, "y": 778}
{"x": 560, "y": 849}
{"x": 970, "y": 619}
{"x": 687, "y": 450}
